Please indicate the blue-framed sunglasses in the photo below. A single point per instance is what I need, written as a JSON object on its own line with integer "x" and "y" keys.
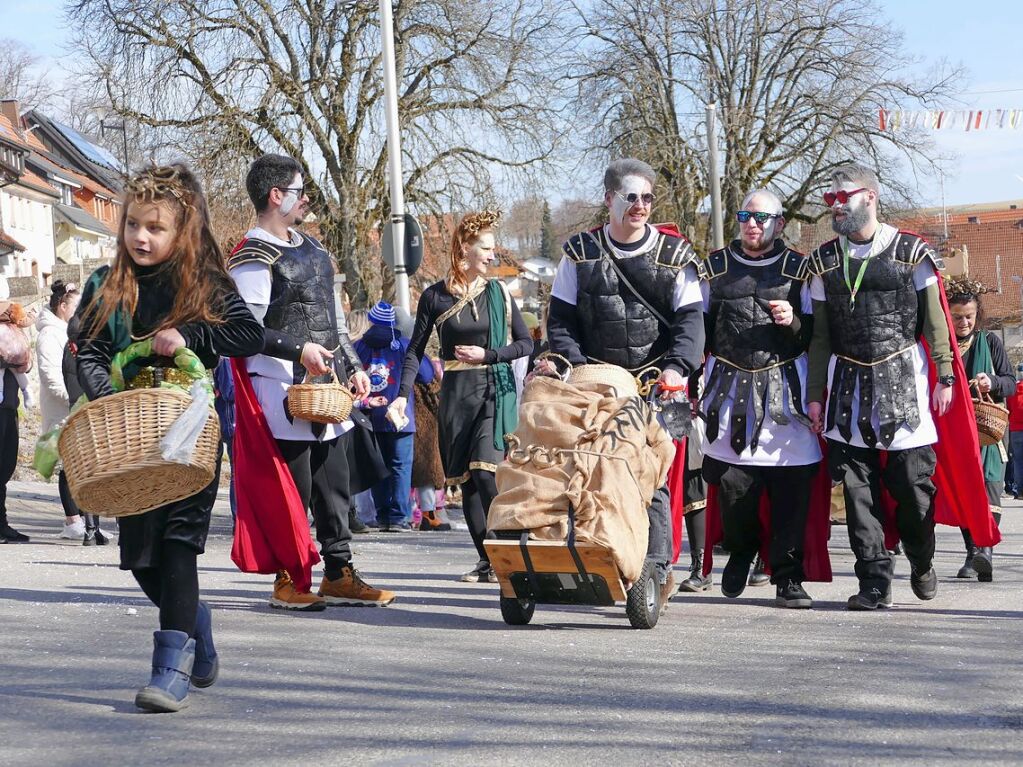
{"x": 760, "y": 217}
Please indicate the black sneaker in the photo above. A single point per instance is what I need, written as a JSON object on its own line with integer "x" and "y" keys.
{"x": 356, "y": 525}
{"x": 10, "y": 535}
{"x": 101, "y": 539}
{"x": 90, "y": 538}
{"x": 870, "y": 599}
{"x": 396, "y": 527}
{"x": 733, "y": 577}
{"x": 791, "y": 594}
{"x": 926, "y": 586}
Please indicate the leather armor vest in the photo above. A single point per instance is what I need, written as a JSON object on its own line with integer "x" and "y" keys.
{"x": 615, "y": 325}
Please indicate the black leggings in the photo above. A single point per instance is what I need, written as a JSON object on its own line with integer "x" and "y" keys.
{"x": 70, "y": 507}
{"x": 173, "y": 586}
{"x": 696, "y": 530}
{"x": 477, "y": 495}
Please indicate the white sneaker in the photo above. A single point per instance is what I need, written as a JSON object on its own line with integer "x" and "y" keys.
{"x": 74, "y": 531}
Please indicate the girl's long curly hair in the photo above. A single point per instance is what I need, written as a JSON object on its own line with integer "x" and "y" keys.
{"x": 467, "y": 232}
{"x": 197, "y": 266}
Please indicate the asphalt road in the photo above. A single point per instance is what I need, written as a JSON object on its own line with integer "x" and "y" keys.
{"x": 438, "y": 679}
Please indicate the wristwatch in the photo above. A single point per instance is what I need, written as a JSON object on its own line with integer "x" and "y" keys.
{"x": 947, "y": 380}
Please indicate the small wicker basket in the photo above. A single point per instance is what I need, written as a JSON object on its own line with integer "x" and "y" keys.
{"x": 111, "y": 453}
{"x": 320, "y": 402}
{"x": 617, "y": 378}
{"x": 992, "y": 419}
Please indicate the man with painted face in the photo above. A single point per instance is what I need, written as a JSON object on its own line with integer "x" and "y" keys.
{"x": 876, "y": 296}
{"x": 759, "y": 319}
{"x": 287, "y": 279}
{"x": 628, "y": 294}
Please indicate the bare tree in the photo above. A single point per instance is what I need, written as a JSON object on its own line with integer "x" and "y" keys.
{"x": 798, "y": 83}
{"x": 22, "y": 76}
{"x": 522, "y": 224}
{"x": 303, "y": 77}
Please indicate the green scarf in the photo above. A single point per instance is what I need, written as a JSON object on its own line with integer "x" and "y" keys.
{"x": 506, "y": 416}
{"x": 990, "y": 456}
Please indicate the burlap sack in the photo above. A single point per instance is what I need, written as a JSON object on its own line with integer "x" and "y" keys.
{"x": 603, "y": 455}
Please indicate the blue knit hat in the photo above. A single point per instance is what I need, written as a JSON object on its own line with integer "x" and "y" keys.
{"x": 382, "y": 313}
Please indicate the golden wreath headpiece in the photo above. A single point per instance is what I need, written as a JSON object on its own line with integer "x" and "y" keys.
{"x": 156, "y": 183}
{"x": 475, "y": 223}
{"x": 962, "y": 285}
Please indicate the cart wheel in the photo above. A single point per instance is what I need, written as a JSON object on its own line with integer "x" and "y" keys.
{"x": 642, "y": 606}
{"x": 517, "y": 612}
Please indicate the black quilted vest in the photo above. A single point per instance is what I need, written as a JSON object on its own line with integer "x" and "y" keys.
{"x": 883, "y": 320}
{"x": 744, "y": 332}
{"x": 302, "y": 292}
{"x": 614, "y": 324}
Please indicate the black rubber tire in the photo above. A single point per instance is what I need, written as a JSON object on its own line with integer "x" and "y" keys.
{"x": 517, "y": 612}
{"x": 643, "y": 603}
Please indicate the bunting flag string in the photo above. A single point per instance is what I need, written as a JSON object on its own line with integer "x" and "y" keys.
{"x": 950, "y": 119}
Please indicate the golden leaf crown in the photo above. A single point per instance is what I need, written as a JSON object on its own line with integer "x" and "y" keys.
{"x": 962, "y": 286}
{"x": 159, "y": 183}
{"x": 474, "y": 223}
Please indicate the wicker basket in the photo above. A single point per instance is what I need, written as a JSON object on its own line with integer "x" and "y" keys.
{"x": 617, "y": 378}
{"x": 992, "y": 419}
{"x": 320, "y": 402}
{"x": 111, "y": 453}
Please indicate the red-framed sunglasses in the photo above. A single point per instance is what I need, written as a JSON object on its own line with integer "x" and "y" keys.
{"x": 842, "y": 197}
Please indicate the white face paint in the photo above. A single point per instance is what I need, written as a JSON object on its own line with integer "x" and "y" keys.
{"x": 624, "y": 213}
{"x": 292, "y": 197}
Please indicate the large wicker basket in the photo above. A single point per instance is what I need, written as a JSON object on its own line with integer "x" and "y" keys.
{"x": 619, "y": 379}
{"x": 320, "y": 402}
{"x": 992, "y": 419}
{"x": 111, "y": 453}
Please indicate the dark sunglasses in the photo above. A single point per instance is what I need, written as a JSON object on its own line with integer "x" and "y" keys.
{"x": 632, "y": 198}
{"x": 298, "y": 190}
{"x": 842, "y": 197}
{"x": 760, "y": 217}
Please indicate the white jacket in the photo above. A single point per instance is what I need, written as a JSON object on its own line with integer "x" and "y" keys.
{"x": 53, "y": 396}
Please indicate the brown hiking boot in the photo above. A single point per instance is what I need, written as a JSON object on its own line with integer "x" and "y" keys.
{"x": 432, "y": 522}
{"x": 287, "y": 597}
{"x": 350, "y": 589}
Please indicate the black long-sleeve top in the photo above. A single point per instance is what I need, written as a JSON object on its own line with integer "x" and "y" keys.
{"x": 1003, "y": 382}
{"x": 240, "y": 335}
{"x": 463, "y": 329}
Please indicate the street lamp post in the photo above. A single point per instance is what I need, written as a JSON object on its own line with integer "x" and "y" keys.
{"x": 397, "y": 222}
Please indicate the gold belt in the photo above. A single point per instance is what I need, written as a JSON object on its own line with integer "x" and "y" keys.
{"x": 151, "y": 378}
{"x": 876, "y": 362}
{"x": 452, "y": 365}
{"x": 757, "y": 370}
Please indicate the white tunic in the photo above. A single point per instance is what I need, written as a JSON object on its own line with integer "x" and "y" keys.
{"x": 791, "y": 444}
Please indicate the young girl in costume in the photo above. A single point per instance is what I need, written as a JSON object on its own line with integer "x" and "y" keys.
{"x": 481, "y": 332}
{"x": 168, "y": 282}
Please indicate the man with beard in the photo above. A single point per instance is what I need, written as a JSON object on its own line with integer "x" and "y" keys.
{"x": 628, "y": 294}
{"x": 874, "y": 287}
{"x": 759, "y": 319}
{"x": 287, "y": 279}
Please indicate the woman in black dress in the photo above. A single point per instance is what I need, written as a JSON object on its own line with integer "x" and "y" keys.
{"x": 988, "y": 366}
{"x": 480, "y": 332}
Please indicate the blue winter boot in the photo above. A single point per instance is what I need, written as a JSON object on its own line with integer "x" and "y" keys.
{"x": 204, "y": 672}
{"x": 173, "y": 655}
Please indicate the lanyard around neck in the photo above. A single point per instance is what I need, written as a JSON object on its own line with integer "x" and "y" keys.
{"x": 854, "y": 287}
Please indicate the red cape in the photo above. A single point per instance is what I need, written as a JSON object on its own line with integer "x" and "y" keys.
{"x": 271, "y": 532}
{"x": 961, "y": 497}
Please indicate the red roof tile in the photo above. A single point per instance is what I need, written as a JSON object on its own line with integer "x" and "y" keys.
{"x": 9, "y": 242}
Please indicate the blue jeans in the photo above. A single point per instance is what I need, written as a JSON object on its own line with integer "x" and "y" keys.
{"x": 391, "y": 495}
{"x": 1016, "y": 445}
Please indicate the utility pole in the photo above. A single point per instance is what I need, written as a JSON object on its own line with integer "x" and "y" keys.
{"x": 401, "y": 290}
{"x": 716, "y": 224}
